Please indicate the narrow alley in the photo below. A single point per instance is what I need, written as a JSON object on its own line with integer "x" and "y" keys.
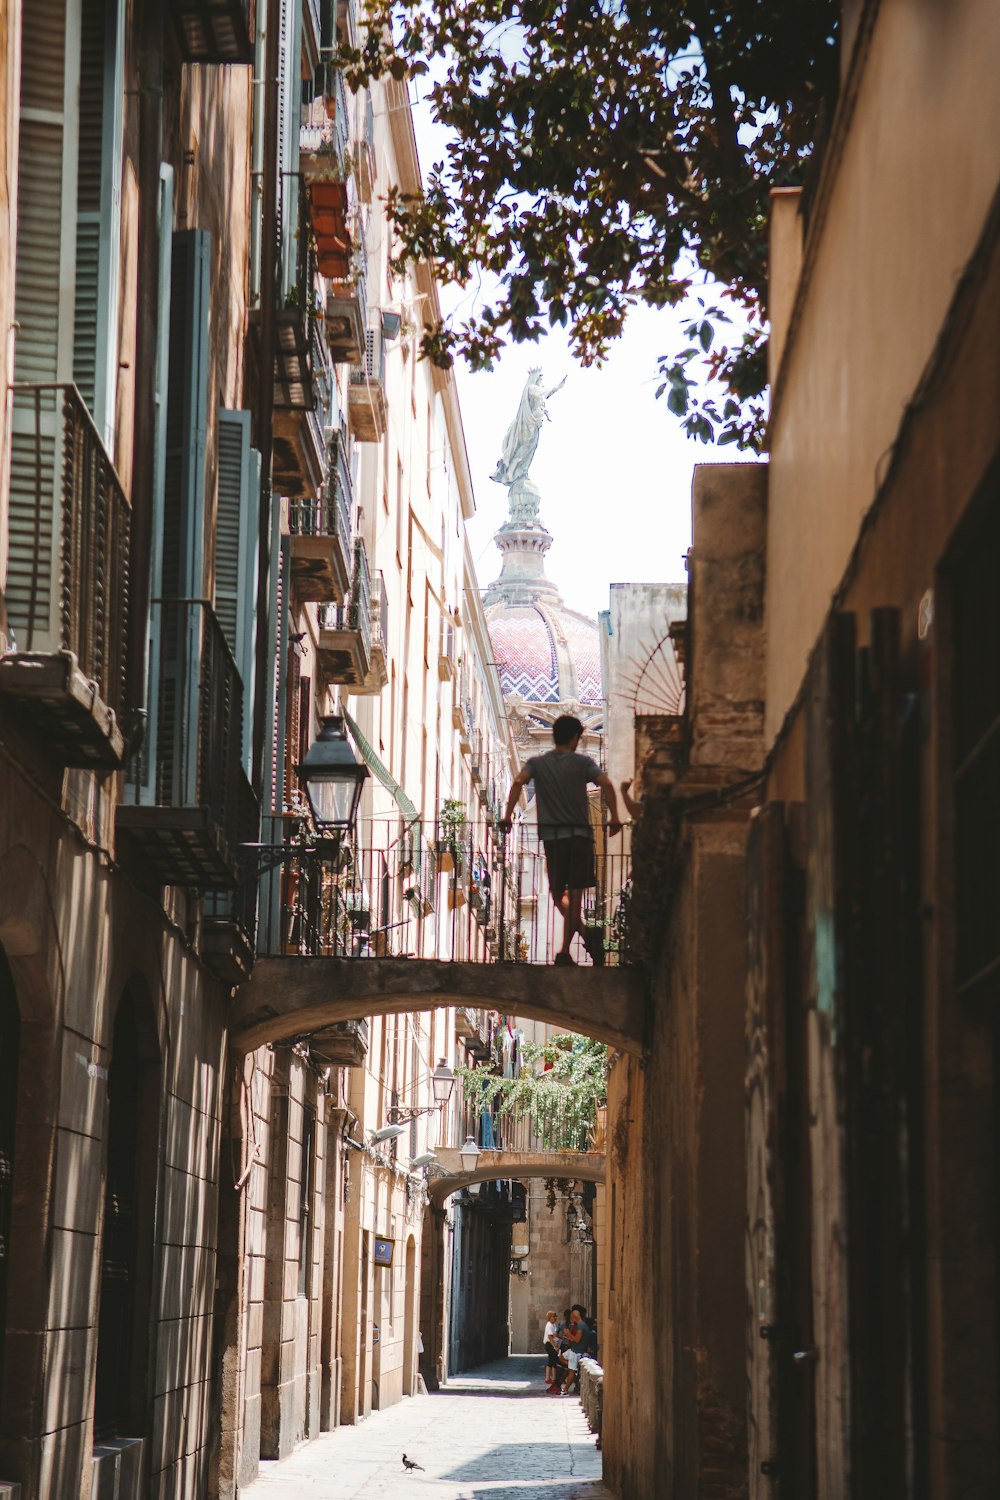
{"x": 494, "y": 1433}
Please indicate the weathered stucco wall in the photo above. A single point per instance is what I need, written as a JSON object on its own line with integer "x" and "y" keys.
{"x": 673, "y": 1340}
{"x": 907, "y": 202}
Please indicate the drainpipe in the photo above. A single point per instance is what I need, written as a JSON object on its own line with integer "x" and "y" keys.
{"x": 265, "y": 410}
{"x": 148, "y": 275}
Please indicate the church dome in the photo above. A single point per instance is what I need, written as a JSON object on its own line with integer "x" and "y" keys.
{"x": 545, "y": 653}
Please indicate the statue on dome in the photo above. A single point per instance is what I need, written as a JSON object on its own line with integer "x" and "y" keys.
{"x": 522, "y": 435}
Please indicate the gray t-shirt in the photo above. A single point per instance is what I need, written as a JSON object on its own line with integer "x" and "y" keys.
{"x": 561, "y": 778}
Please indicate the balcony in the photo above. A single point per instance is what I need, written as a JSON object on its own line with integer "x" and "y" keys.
{"x": 214, "y": 31}
{"x": 446, "y": 653}
{"x": 378, "y": 671}
{"x": 67, "y": 583}
{"x": 347, "y": 303}
{"x": 297, "y": 339}
{"x": 320, "y": 531}
{"x": 366, "y": 406}
{"x": 344, "y": 647}
{"x": 298, "y": 468}
{"x": 365, "y": 166}
{"x": 189, "y": 791}
{"x": 325, "y": 165}
{"x": 342, "y": 1045}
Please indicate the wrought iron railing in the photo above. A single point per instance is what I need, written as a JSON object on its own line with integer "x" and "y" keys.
{"x": 379, "y": 613}
{"x": 192, "y": 754}
{"x": 373, "y": 368}
{"x": 328, "y": 514}
{"x": 356, "y": 614}
{"x": 64, "y": 483}
{"x": 399, "y": 888}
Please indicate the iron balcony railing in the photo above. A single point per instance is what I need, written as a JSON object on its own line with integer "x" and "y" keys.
{"x": 379, "y": 614}
{"x": 190, "y": 763}
{"x": 68, "y": 572}
{"x": 356, "y": 614}
{"x": 401, "y": 888}
{"x": 329, "y": 514}
{"x": 373, "y": 368}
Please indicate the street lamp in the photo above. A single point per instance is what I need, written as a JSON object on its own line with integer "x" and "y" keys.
{"x": 469, "y": 1154}
{"x": 332, "y": 778}
{"x": 443, "y": 1083}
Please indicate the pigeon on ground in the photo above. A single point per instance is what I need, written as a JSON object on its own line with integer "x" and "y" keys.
{"x": 409, "y": 1465}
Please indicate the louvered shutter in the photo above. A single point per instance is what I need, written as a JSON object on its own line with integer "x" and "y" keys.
{"x": 236, "y": 553}
{"x": 269, "y": 909}
{"x": 142, "y": 768}
{"x": 43, "y": 303}
{"x": 289, "y": 117}
{"x": 95, "y": 343}
{"x": 183, "y": 533}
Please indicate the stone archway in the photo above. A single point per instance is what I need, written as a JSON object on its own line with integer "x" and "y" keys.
{"x": 289, "y": 997}
{"x": 492, "y": 1166}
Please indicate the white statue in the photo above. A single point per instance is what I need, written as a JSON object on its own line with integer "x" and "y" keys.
{"x": 521, "y": 438}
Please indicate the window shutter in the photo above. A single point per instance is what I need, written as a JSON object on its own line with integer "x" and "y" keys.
{"x": 142, "y": 769}
{"x": 95, "y": 362}
{"x": 43, "y": 301}
{"x": 236, "y": 553}
{"x": 183, "y": 532}
{"x": 289, "y": 117}
{"x": 276, "y": 634}
{"x": 183, "y": 554}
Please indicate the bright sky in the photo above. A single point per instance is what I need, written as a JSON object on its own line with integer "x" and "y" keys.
{"x": 613, "y": 466}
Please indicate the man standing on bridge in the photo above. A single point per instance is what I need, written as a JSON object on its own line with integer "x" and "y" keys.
{"x": 561, "y": 778}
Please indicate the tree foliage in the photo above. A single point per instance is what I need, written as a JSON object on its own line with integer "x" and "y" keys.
{"x": 560, "y": 1088}
{"x": 605, "y": 153}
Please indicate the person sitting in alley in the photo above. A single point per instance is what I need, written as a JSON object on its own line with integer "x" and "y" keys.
{"x": 550, "y": 1350}
{"x": 561, "y": 777}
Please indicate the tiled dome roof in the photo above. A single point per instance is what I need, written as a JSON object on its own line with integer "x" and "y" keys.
{"x": 545, "y": 653}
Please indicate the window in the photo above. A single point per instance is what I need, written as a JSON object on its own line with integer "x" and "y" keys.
{"x": 306, "y": 1198}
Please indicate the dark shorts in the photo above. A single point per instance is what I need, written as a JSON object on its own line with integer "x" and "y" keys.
{"x": 570, "y": 863}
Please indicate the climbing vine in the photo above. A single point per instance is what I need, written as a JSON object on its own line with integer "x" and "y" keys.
{"x": 561, "y": 1086}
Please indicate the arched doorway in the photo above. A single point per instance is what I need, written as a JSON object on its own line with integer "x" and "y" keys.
{"x": 409, "y": 1320}
{"x": 10, "y": 1049}
{"x": 124, "y": 1321}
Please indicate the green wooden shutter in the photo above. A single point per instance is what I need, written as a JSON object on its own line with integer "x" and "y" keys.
{"x": 95, "y": 361}
{"x": 142, "y": 770}
{"x": 43, "y": 303}
{"x": 236, "y": 552}
{"x": 182, "y": 556}
{"x": 183, "y": 546}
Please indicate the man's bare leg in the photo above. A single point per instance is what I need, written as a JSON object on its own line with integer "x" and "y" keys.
{"x": 572, "y": 917}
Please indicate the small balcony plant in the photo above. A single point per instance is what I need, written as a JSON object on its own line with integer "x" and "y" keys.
{"x": 452, "y": 827}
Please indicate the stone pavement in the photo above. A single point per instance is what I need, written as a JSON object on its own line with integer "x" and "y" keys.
{"x": 492, "y": 1434}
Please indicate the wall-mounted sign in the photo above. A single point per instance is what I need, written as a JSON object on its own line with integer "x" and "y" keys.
{"x": 383, "y": 1252}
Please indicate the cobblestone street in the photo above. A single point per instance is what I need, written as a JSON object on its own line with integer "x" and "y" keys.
{"x": 494, "y": 1434}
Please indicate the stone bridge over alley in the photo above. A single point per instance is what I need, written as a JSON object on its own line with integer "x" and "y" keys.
{"x": 580, "y": 1166}
{"x": 288, "y": 997}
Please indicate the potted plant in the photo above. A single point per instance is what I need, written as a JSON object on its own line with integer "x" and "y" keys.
{"x": 449, "y": 845}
